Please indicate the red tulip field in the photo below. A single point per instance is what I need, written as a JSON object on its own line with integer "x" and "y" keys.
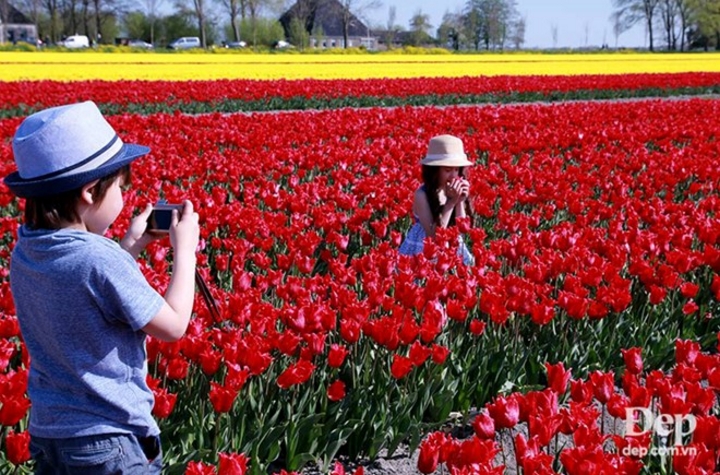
{"x": 584, "y": 339}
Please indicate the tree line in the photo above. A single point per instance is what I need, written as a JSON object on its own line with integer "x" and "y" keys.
{"x": 675, "y": 25}
{"x": 475, "y": 25}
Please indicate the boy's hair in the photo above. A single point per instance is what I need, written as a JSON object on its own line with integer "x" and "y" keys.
{"x": 50, "y": 212}
{"x": 431, "y": 179}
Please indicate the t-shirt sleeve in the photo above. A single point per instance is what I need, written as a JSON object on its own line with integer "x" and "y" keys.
{"x": 124, "y": 294}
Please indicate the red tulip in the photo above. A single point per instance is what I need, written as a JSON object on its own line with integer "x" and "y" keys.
{"x": 475, "y": 452}
{"x": 477, "y": 327}
{"x": 428, "y": 456}
{"x": 297, "y": 373}
{"x": 336, "y": 391}
{"x": 700, "y": 461}
{"x": 581, "y": 391}
{"x": 288, "y": 342}
{"x": 715, "y": 286}
{"x": 17, "y": 446}
{"x": 338, "y": 469}
{"x": 484, "y": 425}
{"x": 617, "y": 405}
{"x": 236, "y": 377}
{"x": 689, "y": 290}
{"x": 336, "y": 355}
{"x": 542, "y": 313}
{"x": 633, "y": 360}
{"x": 13, "y": 409}
{"x": 505, "y": 411}
{"x": 7, "y": 350}
{"x": 199, "y": 468}
{"x": 232, "y": 464}
{"x": 439, "y": 354}
{"x": 419, "y": 353}
{"x": 657, "y": 294}
{"x": 544, "y": 428}
{"x": 525, "y": 449}
{"x": 603, "y": 385}
{"x": 177, "y": 368}
{"x": 222, "y": 397}
{"x": 686, "y": 351}
{"x": 707, "y": 432}
{"x": 164, "y": 403}
{"x": 210, "y": 361}
{"x": 350, "y": 331}
{"x": 690, "y": 307}
{"x": 401, "y": 366}
{"x": 558, "y": 377}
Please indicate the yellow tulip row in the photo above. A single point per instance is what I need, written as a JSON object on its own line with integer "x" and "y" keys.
{"x": 20, "y": 66}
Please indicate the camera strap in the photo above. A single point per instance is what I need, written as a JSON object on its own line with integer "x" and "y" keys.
{"x": 207, "y": 296}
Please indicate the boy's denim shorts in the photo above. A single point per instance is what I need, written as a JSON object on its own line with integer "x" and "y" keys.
{"x": 97, "y": 455}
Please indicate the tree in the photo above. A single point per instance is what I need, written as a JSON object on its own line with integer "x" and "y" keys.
{"x": 97, "y": 17}
{"x": 517, "y": 35}
{"x": 619, "y": 26}
{"x": 419, "y": 28}
{"x": 234, "y": 9}
{"x": 176, "y": 25}
{"x": 704, "y": 18}
{"x": 352, "y": 9}
{"x": 55, "y": 25}
{"x": 499, "y": 14}
{"x": 304, "y": 11}
{"x": 298, "y": 35}
{"x": 136, "y": 24}
{"x": 253, "y": 9}
{"x": 258, "y": 31}
{"x": 151, "y": 9}
{"x": 449, "y": 31}
{"x": 554, "y": 34}
{"x": 630, "y": 12}
{"x": 199, "y": 9}
{"x": 32, "y": 8}
{"x": 682, "y": 7}
{"x": 489, "y": 21}
{"x": 668, "y": 15}
{"x": 473, "y": 26}
{"x": 69, "y": 9}
{"x": 389, "y": 35}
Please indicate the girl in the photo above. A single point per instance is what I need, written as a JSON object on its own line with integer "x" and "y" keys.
{"x": 443, "y": 197}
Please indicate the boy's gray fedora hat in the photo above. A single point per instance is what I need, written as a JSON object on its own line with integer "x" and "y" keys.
{"x": 446, "y": 151}
{"x": 63, "y": 148}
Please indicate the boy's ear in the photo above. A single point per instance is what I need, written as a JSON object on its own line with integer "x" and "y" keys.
{"x": 86, "y": 195}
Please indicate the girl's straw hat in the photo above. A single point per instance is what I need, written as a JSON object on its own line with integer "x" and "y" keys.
{"x": 63, "y": 148}
{"x": 446, "y": 151}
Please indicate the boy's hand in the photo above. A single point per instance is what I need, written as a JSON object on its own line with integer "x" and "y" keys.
{"x": 185, "y": 230}
{"x": 138, "y": 236}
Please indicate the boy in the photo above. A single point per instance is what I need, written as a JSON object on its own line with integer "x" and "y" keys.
{"x": 83, "y": 305}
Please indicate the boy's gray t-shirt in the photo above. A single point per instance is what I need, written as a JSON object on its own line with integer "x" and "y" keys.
{"x": 81, "y": 302}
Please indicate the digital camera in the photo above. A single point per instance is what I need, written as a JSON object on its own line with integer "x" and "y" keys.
{"x": 161, "y": 216}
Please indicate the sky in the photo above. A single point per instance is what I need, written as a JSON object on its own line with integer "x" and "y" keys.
{"x": 578, "y": 23}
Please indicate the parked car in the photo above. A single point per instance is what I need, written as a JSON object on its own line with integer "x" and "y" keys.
{"x": 282, "y": 45}
{"x": 139, "y": 44}
{"x": 76, "y": 41}
{"x": 234, "y": 44}
{"x": 186, "y": 42}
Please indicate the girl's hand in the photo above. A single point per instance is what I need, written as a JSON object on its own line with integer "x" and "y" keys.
{"x": 457, "y": 190}
{"x": 137, "y": 236}
{"x": 464, "y": 189}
